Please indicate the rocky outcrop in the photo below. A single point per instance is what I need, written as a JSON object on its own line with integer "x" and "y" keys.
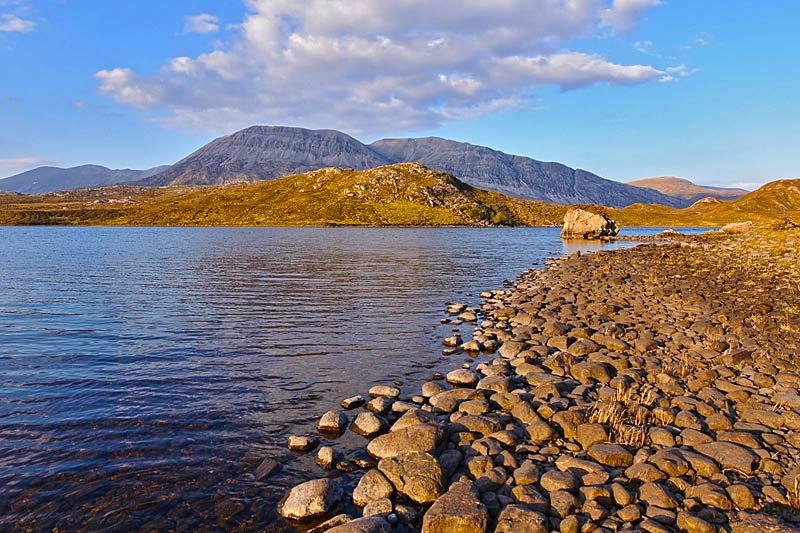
{"x": 581, "y": 224}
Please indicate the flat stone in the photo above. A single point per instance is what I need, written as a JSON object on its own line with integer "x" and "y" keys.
{"x": 670, "y": 461}
{"x": 353, "y": 402}
{"x": 459, "y": 509}
{"x": 612, "y": 455}
{"x": 557, "y": 480}
{"x": 302, "y": 443}
{"x": 310, "y": 499}
{"x": 730, "y": 456}
{"x": 485, "y": 425}
{"x": 655, "y": 494}
{"x": 690, "y": 523}
{"x": 415, "y": 438}
{"x": 463, "y": 377}
{"x": 384, "y": 390}
{"x": 590, "y": 434}
{"x": 499, "y": 384}
{"x": 710, "y": 495}
{"x": 266, "y": 469}
{"x": 519, "y": 519}
{"x": 369, "y": 524}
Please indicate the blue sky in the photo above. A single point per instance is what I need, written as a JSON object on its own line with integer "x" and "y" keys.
{"x": 627, "y": 89}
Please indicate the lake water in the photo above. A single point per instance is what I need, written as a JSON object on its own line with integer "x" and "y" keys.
{"x": 145, "y": 372}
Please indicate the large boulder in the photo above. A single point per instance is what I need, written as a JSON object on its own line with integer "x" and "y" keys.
{"x": 580, "y": 224}
{"x": 737, "y": 227}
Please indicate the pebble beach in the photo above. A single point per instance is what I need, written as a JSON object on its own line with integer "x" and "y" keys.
{"x": 653, "y": 389}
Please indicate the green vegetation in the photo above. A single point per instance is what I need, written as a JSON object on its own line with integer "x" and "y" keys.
{"x": 407, "y": 194}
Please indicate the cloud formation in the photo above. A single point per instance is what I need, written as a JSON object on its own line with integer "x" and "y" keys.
{"x": 370, "y": 66}
{"x": 623, "y": 15}
{"x": 202, "y": 23}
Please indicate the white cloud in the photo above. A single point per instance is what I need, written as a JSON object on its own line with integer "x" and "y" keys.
{"x": 624, "y": 14}
{"x": 643, "y": 46}
{"x": 376, "y": 66}
{"x": 11, "y": 23}
{"x": 202, "y": 23}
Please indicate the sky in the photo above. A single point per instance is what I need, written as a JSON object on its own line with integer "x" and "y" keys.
{"x": 627, "y": 89}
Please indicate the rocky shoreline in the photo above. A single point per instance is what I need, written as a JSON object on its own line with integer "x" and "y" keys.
{"x": 648, "y": 389}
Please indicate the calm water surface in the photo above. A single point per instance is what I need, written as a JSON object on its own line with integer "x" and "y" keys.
{"x": 145, "y": 372}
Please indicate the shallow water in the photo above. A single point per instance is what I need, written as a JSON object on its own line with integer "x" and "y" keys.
{"x": 145, "y": 372}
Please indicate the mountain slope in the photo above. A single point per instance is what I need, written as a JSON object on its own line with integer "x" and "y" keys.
{"x": 401, "y": 194}
{"x": 47, "y": 179}
{"x": 686, "y": 190}
{"x": 771, "y": 203}
{"x": 268, "y": 152}
{"x": 517, "y": 176}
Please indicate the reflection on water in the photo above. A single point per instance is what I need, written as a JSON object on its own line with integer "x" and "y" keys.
{"x": 145, "y": 372}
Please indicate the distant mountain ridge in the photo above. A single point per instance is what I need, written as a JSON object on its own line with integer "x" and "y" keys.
{"x": 517, "y": 176}
{"x": 687, "y": 190}
{"x": 268, "y": 152}
{"x": 48, "y": 179}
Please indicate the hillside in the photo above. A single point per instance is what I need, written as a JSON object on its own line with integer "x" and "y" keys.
{"x": 517, "y": 176}
{"x": 268, "y": 152}
{"x": 686, "y": 190}
{"x": 47, "y": 179}
{"x": 769, "y": 204}
{"x": 402, "y": 194}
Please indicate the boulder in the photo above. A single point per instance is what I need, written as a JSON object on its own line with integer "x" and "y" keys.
{"x": 737, "y": 227}
{"x": 580, "y": 224}
{"x": 416, "y": 475}
{"x": 520, "y": 519}
{"x": 372, "y": 486}
{"x": 415, "y": 438}
{"x": 457, "y": 510}
{"x": 312, "y": 498}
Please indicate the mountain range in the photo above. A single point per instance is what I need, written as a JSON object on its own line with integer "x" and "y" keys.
{"x": 262, "y": 153}
{"x": 399, "y": 194}
{"x": 268, "y": 152}
{"x": 46, "y": 179}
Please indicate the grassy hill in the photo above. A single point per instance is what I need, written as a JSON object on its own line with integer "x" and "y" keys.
{"x": 686, "y": 190}
{"x": 771, "y": 203}
{"x": 401, "y": 194}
